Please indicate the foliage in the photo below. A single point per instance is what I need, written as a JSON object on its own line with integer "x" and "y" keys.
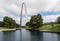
{"x": 35, "y": 22}
{"x": 28, "y": 23}
{"x": 58, "y": 20}
{"x": 17, "y": 25}
{"x": 9, "y": 22}
{"x": 1, "y": 24}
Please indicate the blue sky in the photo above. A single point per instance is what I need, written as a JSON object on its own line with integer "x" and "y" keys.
{"x": 44, "y": 13}
{"x": 49, "y": 9}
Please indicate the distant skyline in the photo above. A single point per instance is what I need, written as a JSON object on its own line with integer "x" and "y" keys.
{"x": 49, "y": 9}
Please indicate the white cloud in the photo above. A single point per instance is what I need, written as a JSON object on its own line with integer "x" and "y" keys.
{"x": 33, "y": 7}
{"x": 50, "y": 18}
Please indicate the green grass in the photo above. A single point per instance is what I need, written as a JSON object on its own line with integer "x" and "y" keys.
{"x": 56, "y": 28}
{"x": 45, "y": 27}
{"x": 1, "y": 28}
{"x": 5, "y": 29}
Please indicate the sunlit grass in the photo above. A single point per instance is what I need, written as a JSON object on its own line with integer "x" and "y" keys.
{"x": 1, "y": 28}
{"x": 5, "y": 29}
{"x": 56, "y": 27}
{"x": 46, "y": 27}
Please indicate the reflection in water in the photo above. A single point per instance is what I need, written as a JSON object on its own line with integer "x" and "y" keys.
{"x": 50, "y": 36}
{"x": 36, "y": 36}
{"x": 1, "y": 36}
{"x": 8, "y": 36}
{"x": 17, "y": 35}
{"x": 27, "y": 35}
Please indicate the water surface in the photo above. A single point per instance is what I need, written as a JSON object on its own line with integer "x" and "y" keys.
{"x": 27, "y": 35}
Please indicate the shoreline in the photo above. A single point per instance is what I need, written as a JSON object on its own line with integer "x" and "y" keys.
{"x": 8, "y": 30}
{"x": 50, "y": 31}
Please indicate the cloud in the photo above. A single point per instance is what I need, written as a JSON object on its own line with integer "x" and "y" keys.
{"x": 12, "y": 8}
{"x": 50, "y": 18}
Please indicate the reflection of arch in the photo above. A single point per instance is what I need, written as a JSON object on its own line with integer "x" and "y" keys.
{"x": 23, "y": 5}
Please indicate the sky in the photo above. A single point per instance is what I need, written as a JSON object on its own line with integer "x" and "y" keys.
{"x": 49, "y": 9}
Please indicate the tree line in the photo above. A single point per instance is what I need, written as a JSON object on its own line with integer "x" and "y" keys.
{"x": 8, "y": 23}
{"x": 36, "y": 21}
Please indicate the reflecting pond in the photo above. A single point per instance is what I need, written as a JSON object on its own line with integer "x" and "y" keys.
{"x": 27, "y": 35}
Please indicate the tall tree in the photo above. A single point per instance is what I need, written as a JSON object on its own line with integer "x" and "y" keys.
{"x": 36, "y": 21}
{"x": 9, "y": 22}
{"x": 6, "y": 21}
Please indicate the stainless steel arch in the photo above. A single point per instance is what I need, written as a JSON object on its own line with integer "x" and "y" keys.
{"x": 23, "y": 5}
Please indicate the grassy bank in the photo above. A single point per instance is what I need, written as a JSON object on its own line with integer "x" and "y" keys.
{"x": 6, "y": 29}
{"x": 56, "y": 28}
{"x": 48, "y": 28}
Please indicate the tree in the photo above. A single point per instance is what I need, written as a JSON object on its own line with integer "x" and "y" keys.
{"x": 58, "y": 20}
{"x": 1, "y": 24}
{"x": 36, "y": 21}
{"x": 9, "y": 22}
{"x": 28, "y": 24}
{"x": 17, "y": 25}
{"x": 5, "y": 21}
{"x": 13, "y": 23}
